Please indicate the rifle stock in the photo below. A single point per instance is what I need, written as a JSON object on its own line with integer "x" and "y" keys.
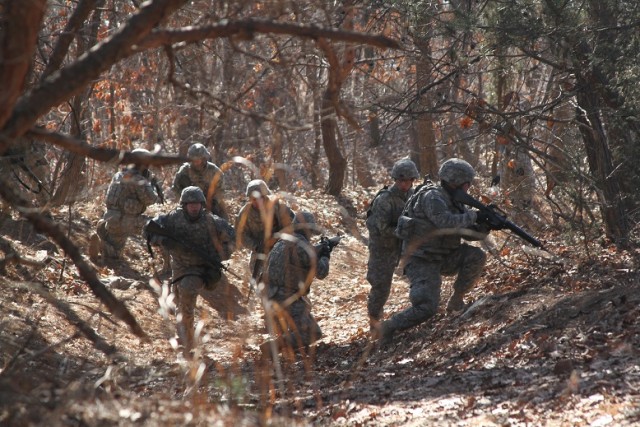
{"x": 497, "y": 221}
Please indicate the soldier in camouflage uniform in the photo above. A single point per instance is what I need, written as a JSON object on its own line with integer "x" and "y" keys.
{"x": 128, "y": 196}
{"x": 438, "y": 250}
{"x": 195, "y": 234}
{"x": 291, "y": 267}
{"x": 200, "y": 172}
{"x": 258, "y": 221}
{"x": 384, "y": 246}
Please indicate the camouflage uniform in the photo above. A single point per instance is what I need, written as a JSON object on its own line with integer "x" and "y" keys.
{"x": 128, "y": 196}
{"x": 208, "y": 234}
{"x": 208, "y": 178}
{"x": 437, "y": 250}
{"x": 384, "y": 246}
{"x": 291, "y": 267}
{"x": 257, "y": 225}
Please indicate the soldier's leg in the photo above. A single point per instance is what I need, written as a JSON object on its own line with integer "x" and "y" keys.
{"x": 468, "y": 262}
{"x": 424, "y": 295}
{"x": 114, "y": 237}
{"x": 166, "y": 259}
{"x": 256, "y": 265}
{"x": 188, "y": 289}
{"x": 96, "y": 241}
{"x": 226, "y": 299}
{"x": 305, "y": 330}
{"x": 380, "y": 268}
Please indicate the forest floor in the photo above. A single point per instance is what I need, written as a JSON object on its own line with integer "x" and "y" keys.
{"x": 550, "y": 340}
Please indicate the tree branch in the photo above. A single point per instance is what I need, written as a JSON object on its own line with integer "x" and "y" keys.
{"x": 103, "y": 154}
{"x": 248, "y": 28}
{"x": 61, "y": 48}
{"x": 70, "y": 80}
{"x": 46, "y": 225}
{"x": 20, "y": 26}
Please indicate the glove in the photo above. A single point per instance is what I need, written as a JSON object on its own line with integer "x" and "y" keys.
{"x": 323, "y": 251}
{"x": 482, "y": 218}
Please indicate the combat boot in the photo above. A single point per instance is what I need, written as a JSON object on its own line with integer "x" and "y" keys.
{"x": 374, "y": 328}
{"x": 94, "y": 247}
{"x": 109, "y": 251}
{"x": 456, "y": 302}
{"x": 386, "y": 334}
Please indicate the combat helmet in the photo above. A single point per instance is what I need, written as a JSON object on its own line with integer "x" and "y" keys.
{"x": 305, "y": 222}
{"x": 140, "y": 151}
{"x": 198, "y": 151}
{"x": 456, "y": 172}
{"x": 405, "y": 169}
{"x": 192, "y": 194}
{"x": 257, "y": 186}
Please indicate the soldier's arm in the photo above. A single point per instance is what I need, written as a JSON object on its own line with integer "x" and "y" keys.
{"x": 307, "y": 255}
{"x": 322, "y": 268}
{"x": 146, "y": 192}
{"x": 244, "y": 231}
{"x": 437, "y": 210}
{"x": 181, "y": 180}
{"x": 218, "y": 204}
{"x": 225, "y": 243}
{"x": 381, "y": 220}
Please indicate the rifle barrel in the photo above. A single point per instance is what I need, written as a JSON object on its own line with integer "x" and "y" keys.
{"x": 467, "y": 199}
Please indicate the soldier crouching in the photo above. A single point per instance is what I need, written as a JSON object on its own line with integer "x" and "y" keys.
{"x": 291, "y": 267}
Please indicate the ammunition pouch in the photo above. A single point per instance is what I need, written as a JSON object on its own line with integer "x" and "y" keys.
{"x": 412, "y": 228}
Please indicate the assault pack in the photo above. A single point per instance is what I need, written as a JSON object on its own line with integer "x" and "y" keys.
{"x": 407, "y": 227}
{"x": 383, "y": 190}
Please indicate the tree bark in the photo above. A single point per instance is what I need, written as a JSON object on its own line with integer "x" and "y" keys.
{"x": 426, "y": 154}
{"x": 337, "y": 162}
{"x": 600, "y": 161}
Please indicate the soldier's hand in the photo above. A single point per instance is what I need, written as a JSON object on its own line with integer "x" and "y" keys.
{"x": 323, "y": 250}
{"x": 482, "y": 218}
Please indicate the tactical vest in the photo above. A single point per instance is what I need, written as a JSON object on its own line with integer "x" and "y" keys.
{"x": 384, "y": 189}
{"x": 419, "y": 234}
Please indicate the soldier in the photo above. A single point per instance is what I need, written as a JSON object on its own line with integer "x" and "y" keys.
{"x": 436, "y": 248}
{"x": 384, "y": 247}
{"x": 291, "y": 267}
{"x": 128, "y": 196}
{"x": 258, "y": 221}
{"x": 200, "y": 172}
{"x": 197, "y": 241}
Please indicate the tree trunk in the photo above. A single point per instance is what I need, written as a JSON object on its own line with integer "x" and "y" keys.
{"x": 277, "y": 149}
{"x": 600, "y": 161}
{"x": 426, "y": 155}
{"x": 72, "y": 179}
{"x": 337, "y": 162}
{"x": 361, "y": 167}
{"x": 374, "y": 128}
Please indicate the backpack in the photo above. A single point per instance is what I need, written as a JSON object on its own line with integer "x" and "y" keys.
{"x": 409, "y": 227}
{"x": 383, "y": 190}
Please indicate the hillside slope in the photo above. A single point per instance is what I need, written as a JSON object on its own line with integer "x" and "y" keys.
{"x": 549, "y": 341}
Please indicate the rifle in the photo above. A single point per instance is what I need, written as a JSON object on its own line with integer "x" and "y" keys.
{"x": 154, "y": 182}
{"x": 328, "y": 244}
{"x": 496, "y": 218}
{"x": 152, "y": 227}
{"x": 158, "y": 188}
